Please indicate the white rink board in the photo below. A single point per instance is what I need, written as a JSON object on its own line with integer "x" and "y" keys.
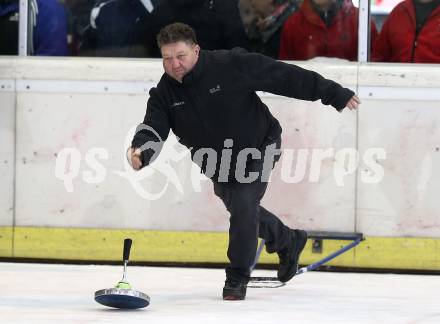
{"x": 49, "y": 124}
{"x": 406, "y": 202}
{"x": 401, "y": 114}
{"x": 86, "y": 122}
{"x": 7, "y": 138}
{"x": 321, "y": 205}
{"x": 57, "y": 109}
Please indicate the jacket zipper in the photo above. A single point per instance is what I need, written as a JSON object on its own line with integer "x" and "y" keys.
{"x": 414, "y": 49}
{"x": 415, "y": 43}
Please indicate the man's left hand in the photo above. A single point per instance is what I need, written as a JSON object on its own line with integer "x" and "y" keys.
{"x": 353, "y": 103}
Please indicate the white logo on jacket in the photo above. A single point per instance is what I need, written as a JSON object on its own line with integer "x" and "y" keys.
{"x": 215, "y": 89}
{"x": 177, "y": 104}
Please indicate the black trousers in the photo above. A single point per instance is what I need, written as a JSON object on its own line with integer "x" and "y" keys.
{"x": 248, "y": 221}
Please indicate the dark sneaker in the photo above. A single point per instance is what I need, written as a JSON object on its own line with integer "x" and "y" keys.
{"x": 289, "y": 256}
{"x": 234, "y": 290}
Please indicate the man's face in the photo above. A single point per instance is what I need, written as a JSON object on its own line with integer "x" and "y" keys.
{"x": 179, "y": 58}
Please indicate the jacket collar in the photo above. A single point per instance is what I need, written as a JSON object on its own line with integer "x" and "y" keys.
{"x": 411, "y": 10}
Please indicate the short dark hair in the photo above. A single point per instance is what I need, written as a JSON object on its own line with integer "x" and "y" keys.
{"x": 174, "y": 33}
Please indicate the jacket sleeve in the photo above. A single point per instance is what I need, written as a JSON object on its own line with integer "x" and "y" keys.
{"x": 260, "y": 73}
{"x": 153, "y": 131}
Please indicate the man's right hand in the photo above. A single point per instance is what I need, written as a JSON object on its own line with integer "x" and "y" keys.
{"x": 134, "y": 158}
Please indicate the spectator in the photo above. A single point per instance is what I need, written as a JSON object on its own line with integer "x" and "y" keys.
{"x": 264, "y": 31}
{"x": 79, "y": 21}
{"x": 411, "y": 33}
{"x": 80, "y": 27}
{"x": 8, "y": 27}
{"x": 119, "y": 28}
{"x": 47, "y": 33}
{"x": 217, "y": 22}
{"x": 322, "y": 28}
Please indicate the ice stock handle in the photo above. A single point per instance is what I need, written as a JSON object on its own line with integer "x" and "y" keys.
{"x": 127, "y": 247}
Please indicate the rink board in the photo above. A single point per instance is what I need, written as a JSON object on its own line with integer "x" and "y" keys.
{"x": 85, "y": 105}
{"x": 210, "y": 247}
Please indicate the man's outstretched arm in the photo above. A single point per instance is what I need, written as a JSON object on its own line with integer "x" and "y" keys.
{"x": 261, "y": 73}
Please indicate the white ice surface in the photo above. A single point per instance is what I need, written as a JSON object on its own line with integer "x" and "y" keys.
{"x": 41, "y": 293}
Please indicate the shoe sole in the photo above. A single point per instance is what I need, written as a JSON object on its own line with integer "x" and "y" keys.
{"x": 293, "y": 271}
{"x": 232, "y": 298}
{"x": 234, "y": 294}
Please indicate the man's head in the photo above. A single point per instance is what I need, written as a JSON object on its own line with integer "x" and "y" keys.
{"x": 180, "y": 52}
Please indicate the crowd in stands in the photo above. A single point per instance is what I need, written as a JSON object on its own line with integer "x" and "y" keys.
{"x": 282, "y": 29}
{"x": 47, "y": 32}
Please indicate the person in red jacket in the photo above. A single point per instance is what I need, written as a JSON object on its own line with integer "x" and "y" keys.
{"x": 322, "y": 28}
{"x": 411, "y": 33}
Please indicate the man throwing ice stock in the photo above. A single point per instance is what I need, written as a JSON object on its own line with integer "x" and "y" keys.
{"x": 209, "y": 100}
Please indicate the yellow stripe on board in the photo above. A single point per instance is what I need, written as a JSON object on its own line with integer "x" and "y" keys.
{"x": 209, "y": 247}
{"x": 6, "y": 242}
{"x": 106, "y": 245}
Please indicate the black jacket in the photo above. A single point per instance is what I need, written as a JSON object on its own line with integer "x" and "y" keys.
{"x": 217, "y": 101}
